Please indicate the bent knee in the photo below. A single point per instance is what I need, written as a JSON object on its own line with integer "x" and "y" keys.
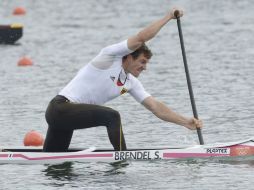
{"x": 113, "y": 116}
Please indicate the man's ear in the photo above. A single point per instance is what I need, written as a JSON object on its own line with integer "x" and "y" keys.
{"x": 129, "y": 58}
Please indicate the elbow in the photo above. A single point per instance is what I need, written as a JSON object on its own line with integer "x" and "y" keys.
{"x": 145, "y": 36}
{"x": 135, "y": 42}
{"x": 141, "y": 38}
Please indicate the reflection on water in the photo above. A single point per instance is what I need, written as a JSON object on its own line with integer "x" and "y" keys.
{"x": 236, "y": 160}
{"x": 247, "y": 160}
{"x": 60, "y": 174}
{"x": 117, "y": 168}
{"x": 67, "y": 171}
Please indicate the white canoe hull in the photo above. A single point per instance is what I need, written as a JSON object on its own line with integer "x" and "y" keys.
{"x": 26, "y": 155}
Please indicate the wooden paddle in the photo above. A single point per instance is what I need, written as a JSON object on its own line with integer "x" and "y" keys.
{"x": 195, "y": 113}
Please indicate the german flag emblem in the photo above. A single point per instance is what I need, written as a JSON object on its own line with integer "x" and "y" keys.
{"x": 124, "y": 90}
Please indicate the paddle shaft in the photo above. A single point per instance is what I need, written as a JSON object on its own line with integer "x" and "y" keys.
{"x": 194, "y": 109}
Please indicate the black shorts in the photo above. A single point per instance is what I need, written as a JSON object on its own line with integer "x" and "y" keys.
{"x": 63, "y": 117}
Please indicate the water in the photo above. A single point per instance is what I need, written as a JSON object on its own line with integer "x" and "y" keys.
{"x": 62, "y": 36}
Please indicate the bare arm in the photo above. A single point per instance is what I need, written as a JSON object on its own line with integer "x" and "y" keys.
{"x": 150, "y": 31}
{"x": 163, "y": 112}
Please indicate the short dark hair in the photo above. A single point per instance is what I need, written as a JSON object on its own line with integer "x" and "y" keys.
{"x": 143, "y": 49}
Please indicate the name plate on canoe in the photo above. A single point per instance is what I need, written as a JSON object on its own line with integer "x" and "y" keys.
{"x": 137, "y": 155}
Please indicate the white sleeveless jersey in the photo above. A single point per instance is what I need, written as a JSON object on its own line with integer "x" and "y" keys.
{"x": 104, "y": 79}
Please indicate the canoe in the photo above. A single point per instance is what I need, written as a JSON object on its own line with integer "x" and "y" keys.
{"x": 9, "y": 34}
{"x": 31, "y": 155}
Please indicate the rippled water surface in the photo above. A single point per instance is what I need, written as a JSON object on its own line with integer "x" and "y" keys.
{"x": 61, "y": 36}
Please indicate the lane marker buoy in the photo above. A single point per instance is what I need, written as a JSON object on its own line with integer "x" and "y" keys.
{"x": 33, "y": 138}
{"x": 19, "y": 11}
{"x": 25, "y": 61}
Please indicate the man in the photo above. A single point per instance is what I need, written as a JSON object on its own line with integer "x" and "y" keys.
{"x": 112, "y": 72}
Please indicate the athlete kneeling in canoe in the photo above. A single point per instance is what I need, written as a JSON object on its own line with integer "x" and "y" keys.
{"x": 111, "y": 73}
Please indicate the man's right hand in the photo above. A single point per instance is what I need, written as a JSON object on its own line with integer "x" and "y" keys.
{"x": 194, "y": 124}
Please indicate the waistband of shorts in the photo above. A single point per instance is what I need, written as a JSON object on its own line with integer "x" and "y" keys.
{"x": 63, "y": 98}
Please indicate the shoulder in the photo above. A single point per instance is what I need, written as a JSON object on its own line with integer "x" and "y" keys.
{"x": 135, "y": 84}
{"x": 133, "y": 80}
{"x": 120, "y": 49}
{"x": 137, "y": 90}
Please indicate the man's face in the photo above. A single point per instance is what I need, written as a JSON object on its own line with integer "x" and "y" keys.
{"x": 136, "y": 66}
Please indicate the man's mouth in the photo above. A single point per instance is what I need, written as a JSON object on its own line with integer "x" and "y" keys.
{"x": 140, "y": 69}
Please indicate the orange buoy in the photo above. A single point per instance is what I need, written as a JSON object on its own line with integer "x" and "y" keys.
{"x": 25, "y": 61}
{"x": 19, "y": 11}
{"x": 33, "y": 138}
